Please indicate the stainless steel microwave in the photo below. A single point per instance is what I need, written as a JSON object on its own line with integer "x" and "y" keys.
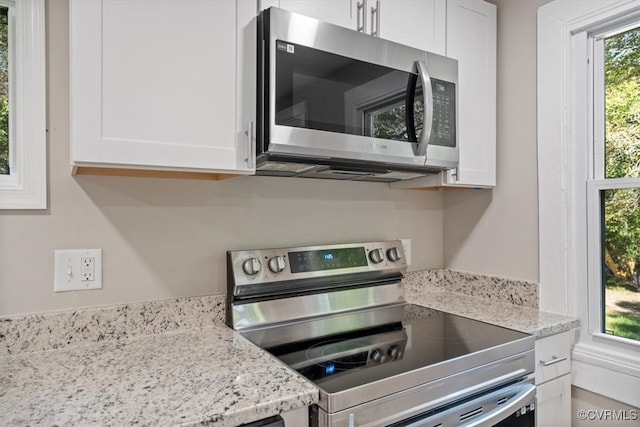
{"x": 337, "y": 103}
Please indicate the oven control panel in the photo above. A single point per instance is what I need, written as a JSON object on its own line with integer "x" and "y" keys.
{"x": 250, "y": 268}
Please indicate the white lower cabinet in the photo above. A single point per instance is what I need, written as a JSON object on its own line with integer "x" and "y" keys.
{"x": 553, "y": 403}
{"x": 153, "y": 86}
{"x": 553, "y": 380}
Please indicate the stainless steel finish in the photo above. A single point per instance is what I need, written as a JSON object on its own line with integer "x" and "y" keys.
{"x": 390, "y": 407}
{"x": 298, "y": 316}
{"x": 421, "y": 148}
{"x": 361, "y": 23}
{"x": 553, "y": 361}
{"x": 376, "y": 256}
{"x": 375, "y": 19}
{"x": 277, "y": 264}
{"x": 273, "y": 168}
{"x": 251, "y": 266}
{"x": 302, "y": 143}
{"x": 524, "y": 395}
{"x": 375, "y": 359}
{"x": 484, "y": 410}
{"x": 245, "y": 282}
{"x": 393, "y": 254}
{"x": 393, "y": 352}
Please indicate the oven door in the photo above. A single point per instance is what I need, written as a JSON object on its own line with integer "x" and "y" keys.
{"x": 510, "y": 405}
{"x": 330, "y": 92}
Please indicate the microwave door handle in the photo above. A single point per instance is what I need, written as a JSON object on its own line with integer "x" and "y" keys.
{"x": 427, "y": 111}
{"x": 410, "y": 109}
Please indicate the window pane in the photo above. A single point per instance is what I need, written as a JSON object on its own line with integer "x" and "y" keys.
{"x": 622, "y": 105}
{"x": 4, "y": 91}
{"x": 621, "y": 261}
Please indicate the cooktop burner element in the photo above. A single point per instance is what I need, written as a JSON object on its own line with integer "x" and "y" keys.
{"x": 337, "y": 315}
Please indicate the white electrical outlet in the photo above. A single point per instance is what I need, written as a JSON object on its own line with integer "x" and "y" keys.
{"x": 87, "y": 269}
{"x": 406, "y": 247}
{"x": 77, "y": 269}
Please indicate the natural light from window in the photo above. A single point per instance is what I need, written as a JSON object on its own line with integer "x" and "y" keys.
{"x": 23, "y": 144}
{"x": 5, "y": 145}
{"x": 621, "y": 206}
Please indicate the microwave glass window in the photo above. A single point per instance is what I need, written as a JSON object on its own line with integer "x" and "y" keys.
{"x": 328, "y": 92}
{"x": 388, "y": 121}
{"x": 324, "y": 91}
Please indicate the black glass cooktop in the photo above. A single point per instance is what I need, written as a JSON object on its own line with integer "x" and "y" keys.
{"x": 419, "y": 338}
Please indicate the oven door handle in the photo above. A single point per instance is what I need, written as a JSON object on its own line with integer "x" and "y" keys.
{"x": 503, "y": 411}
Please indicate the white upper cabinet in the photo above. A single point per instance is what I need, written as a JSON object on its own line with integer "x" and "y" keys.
{"x": 338, "y": 12}
{"x": 153, "y": 86}
{"x": 471, "y": 39}
{"x": 420, "y": 24}
{"x": 417, "y": 23}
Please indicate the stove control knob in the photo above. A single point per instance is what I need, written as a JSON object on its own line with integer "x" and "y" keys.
{"x": 376, "y": 256}
{"x": 393, "y": 254}
{"x": 393, "y": 352}
{"x": 276, "y": 264}
{"x": 376, "y": 355}
{"x": 252, "y": 266}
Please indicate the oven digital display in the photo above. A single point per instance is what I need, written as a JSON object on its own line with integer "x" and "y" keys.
{"x": 327, "y": 259}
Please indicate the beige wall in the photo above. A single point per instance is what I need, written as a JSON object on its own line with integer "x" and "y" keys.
{"x": 496, "y": 232}
{"x": 167, "y": 238}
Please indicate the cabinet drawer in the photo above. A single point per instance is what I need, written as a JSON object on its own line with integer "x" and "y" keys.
{"x": 553, "y": 356}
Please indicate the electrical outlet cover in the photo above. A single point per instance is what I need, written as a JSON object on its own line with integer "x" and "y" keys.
{"x": 69, "y": 271}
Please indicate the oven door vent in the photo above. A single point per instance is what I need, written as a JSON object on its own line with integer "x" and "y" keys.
{"x": 464, "y": 417}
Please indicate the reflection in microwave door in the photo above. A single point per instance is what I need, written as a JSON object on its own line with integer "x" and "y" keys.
{"x": 294, "y": 116}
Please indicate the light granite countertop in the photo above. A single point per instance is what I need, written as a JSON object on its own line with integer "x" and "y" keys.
{"x": 520, "y": 318}
{"x": 209, "y": 376}
{"x": 173, "y": 362}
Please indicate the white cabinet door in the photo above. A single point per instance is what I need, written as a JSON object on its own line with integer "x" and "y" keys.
{"x": 553, "y": 403}
{"x": 553, "y": 380}
{"x": 338, "y": 12}
{"x": 420, "y": 24}
{"x": 471, "y": 39}
{"x": 153, "y": 85}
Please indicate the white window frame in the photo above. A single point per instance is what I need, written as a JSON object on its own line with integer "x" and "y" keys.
{"x": 568, "y": 221}
{"x": 26, "y": 186}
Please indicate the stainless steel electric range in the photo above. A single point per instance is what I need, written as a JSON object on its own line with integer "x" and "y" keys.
{"x": 337, "y": 315}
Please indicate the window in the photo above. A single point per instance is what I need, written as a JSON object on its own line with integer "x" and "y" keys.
{"x": 614, "y": 187}
{"x": 22, "y": 105}
{"x": 6, "y": 61}
{"x": 589, "y": 185}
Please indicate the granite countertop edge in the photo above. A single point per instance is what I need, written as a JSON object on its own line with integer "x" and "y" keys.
{"x": 532, "y": 321}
